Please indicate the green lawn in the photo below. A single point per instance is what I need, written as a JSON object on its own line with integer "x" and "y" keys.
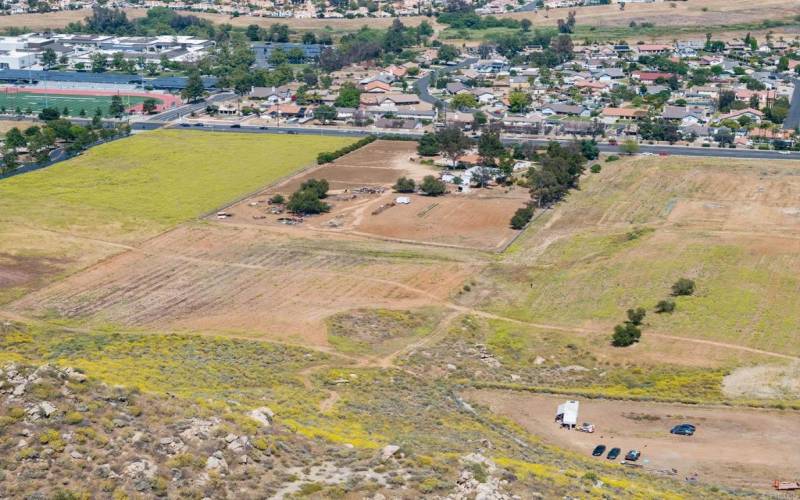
{"x": 149, "y": 182}
{"x": 23, "y": 101}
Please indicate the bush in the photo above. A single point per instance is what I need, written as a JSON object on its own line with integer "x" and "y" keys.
{"x": 329, "y": 156}
{"x": 521, "y": 217}
{"x": 665, "y": 306}
{"x": 612, "y": 158}
{"x": 405, "y": 185}
{"x": 636, "y": 316}
{"x": 73, "y": 418}
{"x": 683, "y": 286}
{"x": 596, "y": 168}
{"x": 278, "y": 199}
{"x": 432, "y": 186}
{"x": 625, "y": 335}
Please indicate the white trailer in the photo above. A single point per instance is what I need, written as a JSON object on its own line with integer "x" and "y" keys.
{"x": 567, "y": 414}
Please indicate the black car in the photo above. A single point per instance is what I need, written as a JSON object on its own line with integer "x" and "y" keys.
{"x": 683, "y": 430}
{"x": 199, "y": 125}
{"x": 186, "y": 125}
{"x": 613, "y": 454}
{"x": 599, "y": 450}
{"x": 633, "y": 455}
{"x": 236, "y": 125}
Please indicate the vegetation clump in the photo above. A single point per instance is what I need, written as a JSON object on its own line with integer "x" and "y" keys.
{"x": 432, "y": 186}
{"x": 405, "y": 185}
{"x": 683, "y": 287}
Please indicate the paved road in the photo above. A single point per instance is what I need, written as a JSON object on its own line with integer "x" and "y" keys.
{"x": 186, "y": 109}
{"x": 528, "y": 7}
{"x": 424, "y": 83}
{"x": 793, "y": 118}
{"x": 606, "y": 148}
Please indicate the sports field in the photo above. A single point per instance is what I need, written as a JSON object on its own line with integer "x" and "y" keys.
{"x": 23, "y": 101}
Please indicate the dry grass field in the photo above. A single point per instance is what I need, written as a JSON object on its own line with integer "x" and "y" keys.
{"x": 245, "y": 281}
{"x": 632, "y": 230}
{"x": 696, "y": 13}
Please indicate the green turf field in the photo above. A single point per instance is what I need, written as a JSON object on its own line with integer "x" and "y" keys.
{"x": 24, "y": 101}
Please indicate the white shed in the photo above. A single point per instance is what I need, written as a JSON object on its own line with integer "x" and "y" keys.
{"x": 567, "y": 413}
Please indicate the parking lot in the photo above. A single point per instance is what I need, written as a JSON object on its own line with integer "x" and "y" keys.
{"x": 737, "y": 447}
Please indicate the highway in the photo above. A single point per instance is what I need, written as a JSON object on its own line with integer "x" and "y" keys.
{"x": 656, "y": 149}
{"x": 186, "y": 109}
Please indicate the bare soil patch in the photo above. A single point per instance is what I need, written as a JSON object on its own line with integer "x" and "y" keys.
{"x": 732, "y": 446}
{"x": 363, "y": 203}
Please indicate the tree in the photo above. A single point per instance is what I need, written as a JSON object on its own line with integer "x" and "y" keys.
{"x": 521, "y": 217}
{"x": 452, "y": 143}
{"x": 490, "y": 147}
{"x": 432, "y": 186}
{"x": 194, "y": 90}
{"x": 726, "y": 99}
{"x": 118, "y": 60}
{"x": 525, "y": 24}
{"x": 629, "y": 147}
{"x": 349, "y": 96}
{"x": 405, "y": 185}
{"x": 683, "y": 286}
{"x": 518, "y": 101}
{"x": 325, "y": 114}
{"x": 149, "y": 105}
{"x": 665, "y": 306}
{"x": 463, "y": 100}
{"x": 625, "y": 335}
{"x": 636, "y": 316}
{"x": 447, "y": 53}
{"x": 428, "y": 145}
{"x": 318, "y": 187}
{"x": 306, "y": 201}
{"x": 99, "y": 62}
{"x": 116, "y": 108}
{"x": 309, "y": 38}
{"x": 47, "y": 114}
{"x": 783, "y": 63}
{"x": 15, "y": 139}
{"x": 589, "y": 149}
{"x": 49, "y": 58}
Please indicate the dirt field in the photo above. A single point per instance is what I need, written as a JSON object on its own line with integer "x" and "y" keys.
{"x": 733, "y": 447}
{"x": 243, "y": 279}
{"x": 475, "y": 220}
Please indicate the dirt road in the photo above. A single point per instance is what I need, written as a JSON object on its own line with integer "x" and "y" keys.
{"x": 737, "y": 447}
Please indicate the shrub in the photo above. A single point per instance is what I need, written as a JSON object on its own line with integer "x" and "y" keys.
{"x": 329, "y": 156}
{"x": 432, "y": 186}
{"x": 596, "y": 168}
{"x": 665, "y": 306}
{"x": 612, "y": 158}
{"x": 278, "y": 199}
{"x": 405, "y": 185}
{"x": 636, "y": 316}
{"x": 73, "y": 418}
{"x": 683, "y": 286}
{"x": 521, "y": 217}
{"x": 625, "y": 335}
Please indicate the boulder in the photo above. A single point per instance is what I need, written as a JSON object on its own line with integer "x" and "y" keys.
{"x": 388, "y": 451}
{"x": 262, "y": 415}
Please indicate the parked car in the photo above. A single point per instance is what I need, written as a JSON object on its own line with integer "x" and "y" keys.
{"x": 585, "y": 427}
{"x": 613, "y": 454}
{"x": 683, "y": 430}
{"x": 186, "y": 125}
{"x": 236, "y": 125}
{"x": 633, "y": 455}
{"x": 199, "y": 125}
{"x": 599, "y": 450}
